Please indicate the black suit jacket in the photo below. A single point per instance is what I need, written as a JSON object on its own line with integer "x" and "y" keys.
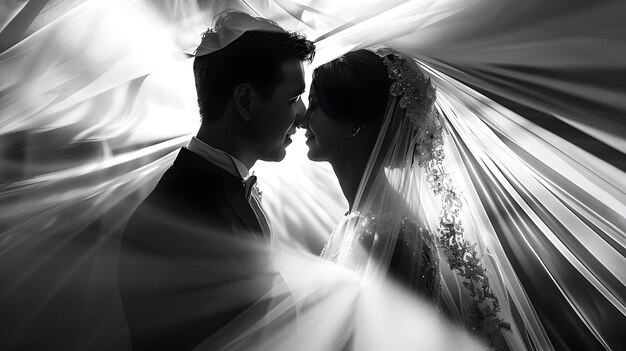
{"x": 180, "y": 250}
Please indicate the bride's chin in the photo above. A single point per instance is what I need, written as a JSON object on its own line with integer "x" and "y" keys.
{"x": 311, "y": 155}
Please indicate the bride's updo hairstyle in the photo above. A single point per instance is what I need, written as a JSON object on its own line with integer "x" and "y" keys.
{"x": 353, "y": 88}
{"x": 356, "y": 88}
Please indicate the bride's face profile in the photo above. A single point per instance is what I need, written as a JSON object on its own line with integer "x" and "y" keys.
{"x": 326, "y": 137}
{"x": 347, "y": 103}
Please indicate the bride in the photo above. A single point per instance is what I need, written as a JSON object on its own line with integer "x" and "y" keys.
{"x": 372, "y": 116}
{"x": 351, "y": 124}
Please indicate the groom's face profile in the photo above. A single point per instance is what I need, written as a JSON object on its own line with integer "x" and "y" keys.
{"x": 273, "y": 119}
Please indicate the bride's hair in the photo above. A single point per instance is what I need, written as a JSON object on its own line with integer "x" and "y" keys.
{"x": 353, "y": 87}
{"x": 357, "y": 88}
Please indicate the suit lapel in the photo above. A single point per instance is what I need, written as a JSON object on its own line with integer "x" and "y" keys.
{"x": 235, "y": 208}
{"x": 241, "y": 208}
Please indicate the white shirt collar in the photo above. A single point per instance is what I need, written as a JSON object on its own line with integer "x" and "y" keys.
{"x": 218, "y": 157}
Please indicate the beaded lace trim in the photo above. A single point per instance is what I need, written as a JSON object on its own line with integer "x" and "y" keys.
{"x": 418, "y": 97}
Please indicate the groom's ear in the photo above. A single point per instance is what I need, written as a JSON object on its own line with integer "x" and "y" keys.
{"x": 243, "y": 95}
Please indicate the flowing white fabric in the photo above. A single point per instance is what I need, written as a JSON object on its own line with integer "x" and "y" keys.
{"x": 95, "y": 95}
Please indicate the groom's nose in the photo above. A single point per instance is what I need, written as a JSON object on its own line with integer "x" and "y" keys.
{"x": 299, "y": 109}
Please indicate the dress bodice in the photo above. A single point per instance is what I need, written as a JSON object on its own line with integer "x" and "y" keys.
{"x": 401, "y": 248}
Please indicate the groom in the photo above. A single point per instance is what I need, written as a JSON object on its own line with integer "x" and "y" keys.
{"x": 177, "y": 254}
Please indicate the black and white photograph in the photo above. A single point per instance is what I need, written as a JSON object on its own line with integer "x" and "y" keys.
{"x": 316, "y": 175}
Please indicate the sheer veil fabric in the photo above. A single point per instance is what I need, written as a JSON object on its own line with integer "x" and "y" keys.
{"x": 97, "y": 96}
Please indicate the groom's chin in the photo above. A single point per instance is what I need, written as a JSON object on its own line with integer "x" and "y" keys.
{"x": 276, "y": 156}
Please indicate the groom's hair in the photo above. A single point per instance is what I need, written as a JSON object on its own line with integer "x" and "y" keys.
{"x": 256, "y": 58}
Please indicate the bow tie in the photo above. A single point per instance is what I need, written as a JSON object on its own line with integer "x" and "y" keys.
{"x": 248, "y": 185}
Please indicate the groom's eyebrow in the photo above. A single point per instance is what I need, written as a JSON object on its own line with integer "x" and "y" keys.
{"x": 299, "y": 91}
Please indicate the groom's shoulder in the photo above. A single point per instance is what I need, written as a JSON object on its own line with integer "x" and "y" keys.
{"x": 191, "y": 191}
{"x": 192, "y": 175}
{"x": 176, "y": 216}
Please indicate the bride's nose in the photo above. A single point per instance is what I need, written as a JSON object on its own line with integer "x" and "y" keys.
{"x": 302, "y": 120}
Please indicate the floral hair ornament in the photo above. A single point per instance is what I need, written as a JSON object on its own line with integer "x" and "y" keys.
{"x": 230, "y": 25}
{"x": 410, "y": 83}
{"x": 417, "y": 97}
